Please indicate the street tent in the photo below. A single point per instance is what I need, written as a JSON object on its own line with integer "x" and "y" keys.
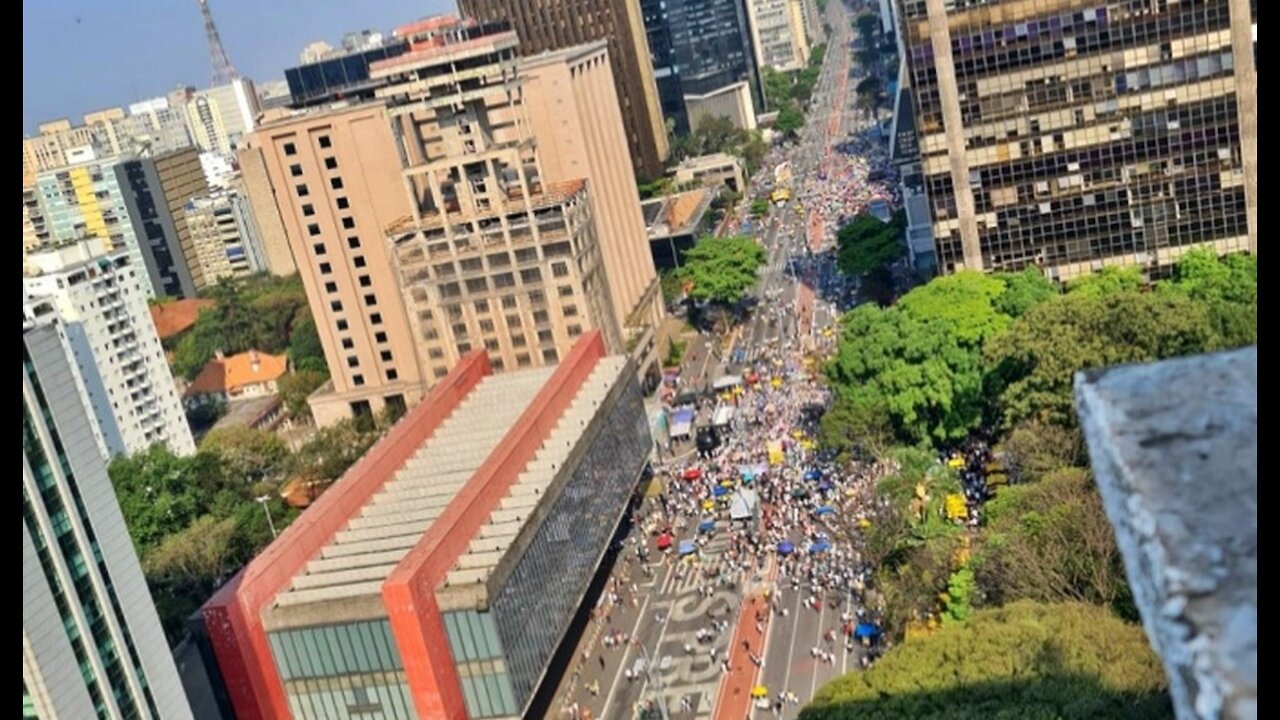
{"x": 664, "y": 541}
{"x": 719, "y": 491}
{"x": 724, "y": 414}
{"x": 706, "y": 526}
{"x": 682, "y": 422}
{"x": 865, "y": 630}
{"x": 692, "y": 474}
{"x": 744, "y": 504}
{"x": 812, "y": 475}
{"x": 786, "y": 547}
{"x": 727, "y": 382}
{"x": 819, "y": 547}
{"x": 687, "y": 547}
{"x": 759, "y": 691}
{"x": 799, "y": 492}
{"x": 825, "y": 510}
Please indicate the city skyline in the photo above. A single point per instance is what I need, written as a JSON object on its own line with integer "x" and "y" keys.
{"x": 89, "y": 57}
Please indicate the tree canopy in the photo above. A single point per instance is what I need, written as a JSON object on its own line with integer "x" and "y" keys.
{"x": 722, "y": 269}
{"x": 867, "y": 243}
{"x": 718, "y": 134}
{"x": 1024, "y": 660}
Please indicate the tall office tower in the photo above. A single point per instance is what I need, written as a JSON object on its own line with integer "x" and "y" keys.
{"x": 156, "y": 189}
{"x": 92, "y": 646}
{"x": 335, "y": 178}
{"x": 699, "y": 47}
{"x": 100, "y": 300}
{"x": 778, "y": 34}
{"x": 492, "y": 253}
{"x": 84, "y": 200}
{"x": 224, "y": 243}
{"x": 562, "y": 24}
{"x": 1074, "y": 135}
{"x": 220, "y": 116}
{"x": 577, "y": 124}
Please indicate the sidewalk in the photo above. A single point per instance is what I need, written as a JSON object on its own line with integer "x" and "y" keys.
{"x": 734, "y": 701}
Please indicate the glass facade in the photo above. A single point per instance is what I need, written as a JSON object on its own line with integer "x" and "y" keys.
{"x": 341, "y": 671}
{"x": 335, "y": 78}
{"x": 544, "y": 589}
{"x": 482, "y": 668}
{"x": 1109, "y": 131}
{"x": 58, "y": 500}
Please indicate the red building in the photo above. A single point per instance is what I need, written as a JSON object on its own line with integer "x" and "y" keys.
{"x": 438, "y": 577}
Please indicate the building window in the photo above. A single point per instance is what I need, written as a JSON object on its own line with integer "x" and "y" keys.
{"x": 565, "y": 291}
{"x": 385, "y": 355}
{"x": 331, "y": 287}
{"x": 513, "y": 321}
{"x": 331, "y": 163}
{"x": 301, "y": 189}
{"x": 313, "y": 229}
{"x": 324, "y": 141}
{"x": 348, "y": 344}
{"x": 435, "y": 353}
{"x": 343, "y": 325}
{"x": 540, "y": 317}
{"x": 290, "y": 149}
{"x": 336, "y": 306}
{"x": 523, "y": 360}
{"x": 549, "y": 356}
{"x": 486, "y": 325}
{"x": 508, "y": 302}
{"x": 482, "y": 306}
{"x": 531, "y": 275}
{"x": 379, "y": 337}
{"x": 570, "y": 310}
{"x": 353, "y": 361}
{"x": 319, "y": 248}
{"x": 459, "y": 330}
{"x": 353, "y": 242}
{"x": 545, "y": 336}
{"x": 335, "y": 183}
{"x": 537, "y": 297}
{"x": 375, "y": 319}
{"x": 326, "y": 268}
{"x": 358, "y": 261}
{"x": 295, "y": 170}
{"x": 308, "y": 209}
{"x": 370, "y": 300}
{"x": 357, "y": 380}
{"x": 365, "y": 281}
{"x": 497, "y": 364}
{"x": 392, "y": 375}
{"x": 342, "y": 203}
{"x": 491, "y": 345}
{"x": 349, "y": 223}
{"x": 560, "y": 269}
{"x": 440, "y": 372}
{"x": 575, "y": 330}
{"x": 518, "y": 341}
{"x": 464, "y": 348}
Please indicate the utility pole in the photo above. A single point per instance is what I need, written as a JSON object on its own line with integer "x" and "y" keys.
{"x": 656, "y": 680}
{"x": 263, "y": 500}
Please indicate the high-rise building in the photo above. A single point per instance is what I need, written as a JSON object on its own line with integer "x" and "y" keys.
{"x": 441, "y": 580}
{"x": 778, "y": 34}
{"x": 149, "y": 126}
{"x": 255, "y": 186}
{"x": 92, "y": 645}
{"x": 335, "y": 178}
{"x": 34, "y": 231}
{"x": 155, "y": 126}
{"x": 1073, "y": 135}
{"x": 48, "y": 149}
{"x": 100, "y": 300}
{"x": 220, "y": 116}
{"x": 561, "y": 24}
{"x": 699, "y": 47}
{"x": 224, "y": 242}
{"x": 156, "y": 189}
{"x": 85, "y": 200}
{"x": 484, "y": 250}
{"x": 577, "y": 124}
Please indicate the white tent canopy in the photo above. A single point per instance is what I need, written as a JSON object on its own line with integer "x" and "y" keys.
{"x": 744, "y": 504}
{"x": 728, "y": 381}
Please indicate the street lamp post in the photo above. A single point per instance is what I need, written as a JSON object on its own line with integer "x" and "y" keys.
{"x": 656, "y": 680}
{"x": 263, "y": 500}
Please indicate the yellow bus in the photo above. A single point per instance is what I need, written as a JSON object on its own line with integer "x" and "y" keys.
{"x": 780, "y": 195}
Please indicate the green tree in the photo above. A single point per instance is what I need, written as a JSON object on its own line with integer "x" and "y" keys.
{"x": 161, "y": 493}
{"x": 790, "y": 120}
{"x": 922, "y": 358}
{"x": 1050, "y": 541}
{"x": 1030, "y": 367}
{"x": 331, "y": 450}
{"x": 867, "y": 243}
{"x": 857, "y": 424}
{"x": 1023, "y": 291}
{"x": 1203, "y": 275}
{"x": 1033, "y": 449}
{"x": 722, "y": 269}
{"x": 1108, "y": 281}
{"x": 870, "y": 92}
{"x": 817, "y": 54}
{"x": 247, "y": 455}
{"x": 759, "y": 208}
{"x": 305, "y": 350}
{"x": 295, "y": 387}
{"x": 1027, "y": 660}
{"x": 777, "y": 88}
{"x": 959, "y": 598}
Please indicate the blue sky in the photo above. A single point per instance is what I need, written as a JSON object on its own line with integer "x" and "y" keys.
{"x": 82, "y": 55}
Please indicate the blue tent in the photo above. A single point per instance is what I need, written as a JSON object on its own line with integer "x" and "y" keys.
{"x": 819, "y": 547}
{"x": 826, "y": 485}
{"x": 719, "y": 491}
{"x": 812, "y": 474}
{"x": 825, "y": 510}
{"x": 687, "y": 547}
{"x": 706, "y": 526}
{"x": 865, "y": 630}
{"x": 786, "y": 547}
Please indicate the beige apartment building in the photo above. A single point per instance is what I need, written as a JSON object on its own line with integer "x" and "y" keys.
{"x": 578, "y": 125}
{"x": 335, "y": 178}
{"x": 778, "y": 34}
{"x": 254, "y": 184}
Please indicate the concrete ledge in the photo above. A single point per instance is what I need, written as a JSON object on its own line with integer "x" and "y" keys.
{"x": 1174, "y": 447}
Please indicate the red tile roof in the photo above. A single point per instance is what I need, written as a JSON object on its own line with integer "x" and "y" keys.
{"x": 230, "y": 374}
{"x": 177, "y": 316}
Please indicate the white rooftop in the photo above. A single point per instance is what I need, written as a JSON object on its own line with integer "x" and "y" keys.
{"x": 359, "y": 558}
